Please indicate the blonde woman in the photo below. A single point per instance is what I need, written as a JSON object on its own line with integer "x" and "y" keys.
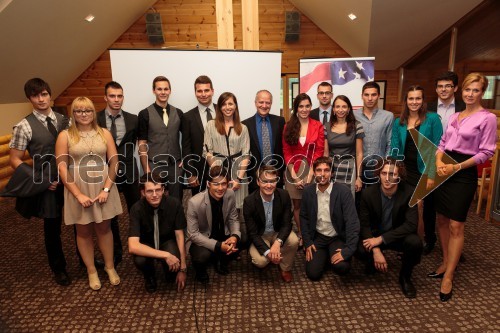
{"x": 90, "y": 197}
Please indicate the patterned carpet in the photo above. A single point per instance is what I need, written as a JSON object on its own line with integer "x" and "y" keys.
{"x": 247, "y": 300}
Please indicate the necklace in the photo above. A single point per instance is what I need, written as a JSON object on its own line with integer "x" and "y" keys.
{"x": 85, "y": 139}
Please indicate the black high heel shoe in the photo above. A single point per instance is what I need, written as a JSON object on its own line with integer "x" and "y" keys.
{"x": 435, "y": 275}
{"x": 445, "y": 297}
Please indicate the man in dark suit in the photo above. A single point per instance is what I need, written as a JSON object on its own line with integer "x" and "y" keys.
{"x": 324, "y": 111}
{"x": 388, "y": 222}
{"x": 266, "y": 132}
{"x": 268, "y": 213}
{"x": 445, "y": 106}
{"x": 193, "y": 130}
{"x": 123, "y": 128}
{"x": 329, "y": 223}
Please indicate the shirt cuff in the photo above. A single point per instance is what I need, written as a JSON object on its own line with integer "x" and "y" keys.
{"x": 217, "y": 247}
{"x": 265, "y": 253}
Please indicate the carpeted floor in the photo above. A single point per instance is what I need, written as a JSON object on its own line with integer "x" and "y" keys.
{"x": 247, "y": 300}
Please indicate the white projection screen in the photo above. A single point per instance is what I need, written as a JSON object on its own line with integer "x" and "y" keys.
{"x": 240, "y": 72}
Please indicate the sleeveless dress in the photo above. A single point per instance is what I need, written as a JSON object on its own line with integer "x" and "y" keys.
{"x": 87, "y": 167}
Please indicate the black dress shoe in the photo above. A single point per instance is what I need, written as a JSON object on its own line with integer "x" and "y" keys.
{"x": 428, "y": 248}
{"x": 150, "y": 284}
{"x": 407, "y": 287}
{"x": 62, "y": 278}
{"x": 435, "y": 275}
{"x": 445, "y": 297}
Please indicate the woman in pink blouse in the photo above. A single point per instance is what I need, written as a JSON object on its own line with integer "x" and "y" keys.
{"x": 303, "y": 143}
{"x": 469, "y": 139}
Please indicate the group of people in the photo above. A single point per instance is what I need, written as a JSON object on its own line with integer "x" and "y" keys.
{"x": 345, "y": 177}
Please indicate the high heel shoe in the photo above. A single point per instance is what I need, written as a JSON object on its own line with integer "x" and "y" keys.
{"x": 94, "y": 282}
{"x": 445, "y": 297}
{"x": 435, "y": 275}
{"x": 114, "y": 279}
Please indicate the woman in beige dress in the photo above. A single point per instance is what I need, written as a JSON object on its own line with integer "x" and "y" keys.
{"x": 90, "y": 197}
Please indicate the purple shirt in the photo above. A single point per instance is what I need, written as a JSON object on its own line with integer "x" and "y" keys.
{"x": 474, "y": 135}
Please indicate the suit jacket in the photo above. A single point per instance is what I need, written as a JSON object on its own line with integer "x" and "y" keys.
{"x": 199, "y": 219}
{"x": 342, "y": 213}
{"x": 404, "y": 217}
{"x": 126, "y": 148}
{"x": 459, "y": 105}
{"x": 192, "y": 142}
{"x": 313, "y": 148}
{"x": 277, "y": 125}
{"x": 315, "y": 114}
{"x": 255, "y": 219}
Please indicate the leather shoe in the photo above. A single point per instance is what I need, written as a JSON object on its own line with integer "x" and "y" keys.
{"x": 435, "y": 275}
{"x": 150, "y": 284}
{"x": 428, "y": 247}
{"x": 62, "y": 278}
{"x": 286, "y": 276}
{"x": 407, "y": 287}
{"x": 445, "y": 297}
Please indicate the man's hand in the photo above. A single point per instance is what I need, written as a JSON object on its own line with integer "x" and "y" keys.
{"x": 309, "y": 252}
{"x": 337, "y": 257}
{"x": 173, "y": 262}
{"x": 229, "y": 245}
{"x": 53, "y": 186}
{"x": 274, "y": 254}
{"x": 370, "y": 243}
{"x": 181, "y": 280}
{"x": 379, "y": 259}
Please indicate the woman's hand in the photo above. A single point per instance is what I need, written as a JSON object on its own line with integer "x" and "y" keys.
{"x": 430, "y": 184}
{"x": 102, "y": 197}
{"x": 235, "y": 185}
{"x": 84, "y": 200}
{"x": 358, "y": 185}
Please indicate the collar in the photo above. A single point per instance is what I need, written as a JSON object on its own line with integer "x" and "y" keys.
{"x": 260, "y": 118}
{"x": 441, "y": 103}
{"x": 109, "y": 113}
{"x": 162, "y": 206}
{"x": 43, "y": 117}
{"x": 385, "y": 196}
{"x": 329, "y": 110}
{"x": 264, "y": 201}
{"x": 202, "y": 107}
{"x": 159, "y": 108}
{"x": 328, "y": 189}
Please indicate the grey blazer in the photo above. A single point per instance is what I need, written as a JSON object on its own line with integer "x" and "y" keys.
{"x": 199, "y": 219}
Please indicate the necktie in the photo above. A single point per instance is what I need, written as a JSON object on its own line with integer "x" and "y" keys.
{"x": 156, "y": 230}
{"x": 325, "y": 119}
{"x": 209, "y": 115}
{"x": 165, "y": 117}
{"x": 113, "y": 127}
{"x": 51, "y": 127}
{"x": 266, "y": 141}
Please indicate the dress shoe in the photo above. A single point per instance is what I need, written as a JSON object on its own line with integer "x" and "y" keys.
{"x": 221, "y": 268}
{"x": 428, "y": 247}
{"x": 407, "y": 287}
{"x": 114, "y": 279}
{"x": 94, "y": 282}
{"x": 62, "y": 278}
{"x": 445, "y": 297}
{"x": 435, "y": 275}
{"x": 286, "y": 276}
{"x": 202, "y": 275}
{"x": 150, "y": 284}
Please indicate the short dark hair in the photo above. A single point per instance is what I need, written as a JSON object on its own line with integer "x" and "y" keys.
{"x": 35, "y": 86}
{"x": 203, "y": 79}
{"x": 152, "y": 177}
{"x": 448, "y": 76}
{"x": 161, "y": 79}
{"x": 325, "y": 84}
{"x": 267, "y": 169}
{"x": 112, "y": 84}
{"x": 371, "y": 84}
{"x": 391, "y": 161}
{"x": 323, "y": 160}
{"x": 216, "y": 172}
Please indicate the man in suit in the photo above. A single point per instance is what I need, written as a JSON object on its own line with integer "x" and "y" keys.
{"x": 123, "y": 128}
{"x": 268, "y": 214}
{"x": 37, "y": 133}
{"x": 157, "y": 224}
{"x": 193, "y": 130}
{"x": 329, "y": 223}
{"x": 159, "y": 126}
{"x": 388, "y": 222}
{"x": 266, "y": 132}
{"x": 212, "y": 225}
{"x": 324, "y": 111}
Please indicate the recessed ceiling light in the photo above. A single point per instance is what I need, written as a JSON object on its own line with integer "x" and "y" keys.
{"x": 89, "y": 18}
{"x": 352, "y": 16}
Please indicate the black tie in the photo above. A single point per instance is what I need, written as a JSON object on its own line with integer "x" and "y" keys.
{"x": 209, "y": 115}
{"x": 113, "y": 126}
{"x": 325, "y": 114}
{"x": 51, "y": 127}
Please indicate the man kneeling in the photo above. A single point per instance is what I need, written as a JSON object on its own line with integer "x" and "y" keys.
{"x": 157, "y": 224}
{"x": 268, "y": 217}
{"x": 388, "y": 222}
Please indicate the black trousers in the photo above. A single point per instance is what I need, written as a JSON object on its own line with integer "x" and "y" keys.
{"x": 147, "y": 265}
{"x": 326, "y": 247}
{"x": 201, "y": 256}
{"x": 411, "y": 246}
{"x": 429, "y": 220}
{"x": 53, "y": 244}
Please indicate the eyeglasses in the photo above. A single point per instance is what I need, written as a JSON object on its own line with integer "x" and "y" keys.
{"x": 269, "y": 181}
{"x": 446, "y": 86}
{"x": 155, "y": 191}
{"x": 80, "y": 112}
{"x": 324, "y": 93}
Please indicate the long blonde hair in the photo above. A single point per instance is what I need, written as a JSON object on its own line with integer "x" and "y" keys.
{"x": 83, "y": 103}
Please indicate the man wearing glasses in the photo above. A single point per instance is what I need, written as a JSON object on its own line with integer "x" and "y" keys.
{"x": 446, "y": 104}
{"x": 267, "y": 213}
{"x": 324, "y": 111}
{"x": 212, "y": 225}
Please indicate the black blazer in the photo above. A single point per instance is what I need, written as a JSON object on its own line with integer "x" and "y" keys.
{"x": 404, "y": 217}
{"x": 126, "y": 148}
{"x": 315, "y": 114}
{"x": 255, "y": 219}
{"x": 459, "y": 105}
{"x": 342, "y": 213}
{"x": 192, "y": 142}
{"x": 277, "y": 125}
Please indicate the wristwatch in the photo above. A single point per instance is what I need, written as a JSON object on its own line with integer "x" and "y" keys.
{"x": 280, "y": 241}
{"x": 106, "y": 189}
{"x": 183, "y": 270}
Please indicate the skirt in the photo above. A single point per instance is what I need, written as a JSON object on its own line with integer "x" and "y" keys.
{"x": 302, "y": 174}
{"x": 454, "y": 196}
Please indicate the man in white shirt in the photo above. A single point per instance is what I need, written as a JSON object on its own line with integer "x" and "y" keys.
{"x": 324, "y": 111}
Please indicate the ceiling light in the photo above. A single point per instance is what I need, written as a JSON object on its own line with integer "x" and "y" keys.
{"x": 89, "y": 18}
{"x": 352, "y": 16}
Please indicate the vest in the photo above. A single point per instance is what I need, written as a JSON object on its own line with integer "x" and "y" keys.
{"x": 163, "y": 139}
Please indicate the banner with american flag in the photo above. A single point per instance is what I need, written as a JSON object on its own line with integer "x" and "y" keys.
{"x": 347, "y": 76}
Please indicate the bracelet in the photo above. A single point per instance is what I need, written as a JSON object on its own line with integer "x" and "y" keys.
{"x": 183, "y": 270}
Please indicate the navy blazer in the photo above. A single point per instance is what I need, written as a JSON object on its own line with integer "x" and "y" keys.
{"x": 459, "y": 105}
{"x": 342, "y": 213}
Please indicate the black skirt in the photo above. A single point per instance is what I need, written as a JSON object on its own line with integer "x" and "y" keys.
{"x": 454, "y": 196}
